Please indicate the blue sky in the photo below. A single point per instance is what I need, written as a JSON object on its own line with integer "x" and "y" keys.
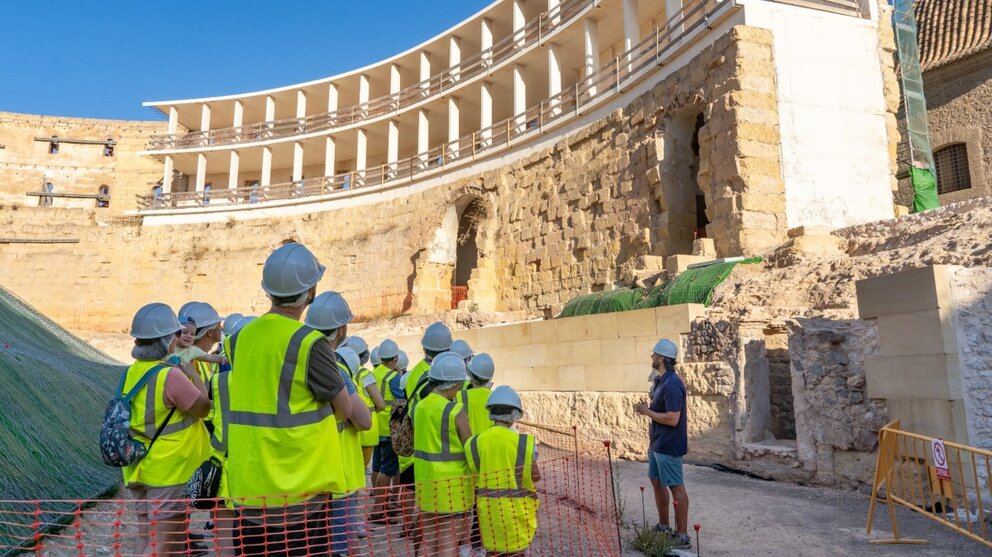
{"x": 103, "y": 59}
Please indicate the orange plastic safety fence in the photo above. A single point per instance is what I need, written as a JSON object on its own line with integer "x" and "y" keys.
{"x": 573, "y": 512}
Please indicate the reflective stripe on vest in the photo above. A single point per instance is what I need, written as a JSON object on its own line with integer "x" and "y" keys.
{"x": 151, "y": 422}
{"x": 218, "y": 439}
{"x": 518, "y": 473}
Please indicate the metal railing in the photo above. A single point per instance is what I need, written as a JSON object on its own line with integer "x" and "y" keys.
{"x": 609, "y": 80}
{"x": 533, "y": 33}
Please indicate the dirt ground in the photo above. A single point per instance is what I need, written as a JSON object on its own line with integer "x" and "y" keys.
{"x": 743, "y": 516}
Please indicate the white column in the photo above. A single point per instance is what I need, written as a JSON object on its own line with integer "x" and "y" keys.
{"x": 554, "y": 15}
{"x": 297, "y": 161}
{"x": 235, "y": 164}
{"x": 518, "y": 21}
{"x": 631, "y": 26}
{"x": 330, "y": 152}
{"x": 425, "y": 71}
{"x": 519, "y": 98}
{"x": 486, "y": 42}
{"x": 394, "y": 85}
{"x": 233, "y": 170}
{"x": 332, "y": 97}
{"x": 392, "y": 146}
{"x": 363, "y": 92}
{"x": 173, "y": 120}
{"x": 201, "y": 171}
{"x": 204, "y": 127}
{"x": 270, "y": 110}
{"x": 486, "y": 113}
{"x": 591, "y": 62}
{"x": 454, "y": 57}
{"x": 361, "y": 144}
{"x": 453, "y": 121}
{"x": 301, "y": 104}
{"x": 167, "y": 176}
{"x": 673, "y": 8}
{"x": 423, "y": 136}
{"x": 554, "y": 77}
{"x": 266, "y": 167}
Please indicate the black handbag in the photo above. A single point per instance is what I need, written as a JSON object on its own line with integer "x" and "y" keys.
{"x": 202, "y": 487}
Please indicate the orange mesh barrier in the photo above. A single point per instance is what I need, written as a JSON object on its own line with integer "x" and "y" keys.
{"x": 576, "y": 515}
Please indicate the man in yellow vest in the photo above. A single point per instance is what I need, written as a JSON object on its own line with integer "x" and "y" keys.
{"x": 475, "y": 395}
{"x": 436, "y": 339}
{"x": 506, "y": 462}
{"x": 285, "y": 391}
{"x": 463, "y": 349}
{"x": 385, "y": 465}
{"x": 444, "y": 492}
{"x": 368, "y": 391}
{"x": 167, "y": 406}
{"x": 346, "y": 519}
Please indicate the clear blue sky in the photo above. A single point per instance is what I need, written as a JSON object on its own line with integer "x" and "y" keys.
{"x": 102, "y": 59}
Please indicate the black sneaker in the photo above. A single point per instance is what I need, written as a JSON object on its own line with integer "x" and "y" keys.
{"x": 664, "y": 529}
{"x": 681, "y": 541}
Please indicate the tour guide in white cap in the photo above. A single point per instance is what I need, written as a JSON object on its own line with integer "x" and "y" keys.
{"x": 669, "y": 441}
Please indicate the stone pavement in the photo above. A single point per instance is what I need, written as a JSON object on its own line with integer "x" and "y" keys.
{"x": 742, "y": 516}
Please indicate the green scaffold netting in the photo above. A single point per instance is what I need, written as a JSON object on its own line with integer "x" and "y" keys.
{"x": 692, "y": 286}
{"x": 55, "y": 390}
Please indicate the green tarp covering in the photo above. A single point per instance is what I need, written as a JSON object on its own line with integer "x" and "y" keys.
{"x": 55, "y": 390}
{"x": 692, "y": 286}
{"x": 924, "y": 189}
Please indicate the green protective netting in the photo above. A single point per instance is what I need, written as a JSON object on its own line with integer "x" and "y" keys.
{"x": 55, "y": 390}
{"x": 692, "y": 286}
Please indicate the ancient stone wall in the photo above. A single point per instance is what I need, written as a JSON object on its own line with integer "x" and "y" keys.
{"x": 971, "y": 292}
{"x": 563, "y": 221}
{"x": 26, "y": 164}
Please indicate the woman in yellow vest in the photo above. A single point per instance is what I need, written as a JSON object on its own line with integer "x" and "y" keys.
{"x": 444, "y": 492}
{"x": 171, "y": 404}
{"x": 506, "y": 462}
{"x": 345, "y": 514}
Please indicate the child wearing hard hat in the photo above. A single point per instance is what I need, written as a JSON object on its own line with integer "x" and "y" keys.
{"x": 506, "y": 462}
{"x": 444, "y": 492}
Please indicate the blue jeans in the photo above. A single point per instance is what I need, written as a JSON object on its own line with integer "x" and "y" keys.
{"x": 344, "y": 521}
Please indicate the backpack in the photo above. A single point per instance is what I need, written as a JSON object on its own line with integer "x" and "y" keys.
{"x": 117, "y": 447}
{"x": 401, "y": 422}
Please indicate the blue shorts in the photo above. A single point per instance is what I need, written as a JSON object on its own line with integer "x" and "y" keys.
{"x": 665, "y": 468}
{"x": 384, "y": 459}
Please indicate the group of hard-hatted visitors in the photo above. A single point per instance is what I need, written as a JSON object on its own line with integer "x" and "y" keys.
{"x": 272, "y": 422}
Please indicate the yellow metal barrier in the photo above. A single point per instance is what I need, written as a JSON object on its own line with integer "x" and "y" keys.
{"x": 941, "y": 480}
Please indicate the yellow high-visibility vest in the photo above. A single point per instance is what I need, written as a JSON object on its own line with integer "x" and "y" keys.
{"x": 351, "y": 451}
{"x": 368, "y": 438}
{"x": 181, "y": 446}
{"x": 383, "y": 375}
{"x": 220, "y": 395}
{"x": 506, "y": 499}
{"x": 443, "y": 482}
{"x": 205, "y": 370}
{"x": 282, "y": 443}
{"x": 475, "y": 398}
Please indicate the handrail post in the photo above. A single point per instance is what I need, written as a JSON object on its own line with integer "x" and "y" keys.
{"x": 618, "y": 73}
{"x": 576, "y": 98}
{"x": 473, "y": 145}
{"x": 443, "y": 155}
{"x": 540, "y": 116}
{"x": 657, "y": 44}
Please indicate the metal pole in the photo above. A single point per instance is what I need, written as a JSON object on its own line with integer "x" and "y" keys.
{"x": 613, "y": 489}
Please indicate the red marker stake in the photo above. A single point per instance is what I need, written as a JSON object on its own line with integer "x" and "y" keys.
{"x": 696, "y": 527}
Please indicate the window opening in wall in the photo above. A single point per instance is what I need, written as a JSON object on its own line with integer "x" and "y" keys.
{"x": 157, "y": 193}
{"x": 46, "y": 200}
{"x": 53, "y": 145}
{"x": 467, "y": 250}
{"x": 701, "y": 219}
{"x": 953, "y": 173}
{"x": 108, "y": 147}
{"x": 206, "y": 193}
{"x": 104, "y": 200}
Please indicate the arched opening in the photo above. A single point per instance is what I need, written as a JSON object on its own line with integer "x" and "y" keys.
{"x": 103, "y": 201}
{"x": 682, "y": 199}
{"x": 467, "y": 249}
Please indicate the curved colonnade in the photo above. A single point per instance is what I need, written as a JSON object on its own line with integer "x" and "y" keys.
{"x": 546, "y": 69}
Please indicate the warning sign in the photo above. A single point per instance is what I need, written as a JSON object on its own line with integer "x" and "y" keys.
{"x": 940, "y": 459}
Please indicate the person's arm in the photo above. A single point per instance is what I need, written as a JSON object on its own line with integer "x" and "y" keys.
{"x": 373, "y": 391}
{"x": 535, "y": 473}
{"x": 181, "y": 393}
{"x": 213, "y": 358}
{"x": 462, "y": 425}
{"x": 324, "y": 380}
{"x": 671, "y": 401}
{"x": 361, "y": 416}
{"x": 342, "y": 404}
{"x": 189, "y": 370}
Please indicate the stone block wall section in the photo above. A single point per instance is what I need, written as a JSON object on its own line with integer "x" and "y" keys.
{"x": 77, "y": 168}
{"x": 933, "y": 369}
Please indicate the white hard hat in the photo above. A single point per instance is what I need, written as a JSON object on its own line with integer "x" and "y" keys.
{"x": 183, "y": 309}
{"x": 437, "y": 337}
{"x": 328, "y": 311}
{"x": 230, "y": 321}
{"x": 388, "y": 349}
{"x": 290, "y": 271}
{"x": 357, "y": 344}
{"x": 350, "y": 358}
{"x": 462, "y": 348}
{"x": 482, "y": 366}
{"x": 666, "y": 348}
{"x": 202, "y": 314}
{"x": 374, "y": 356}
{"x": 242, "y": 322}
{"x": 504, "y": 395}
{"x": 448, "y": 366}
{"x": 154, "y": 320}
{"x": 402, "y": 360}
